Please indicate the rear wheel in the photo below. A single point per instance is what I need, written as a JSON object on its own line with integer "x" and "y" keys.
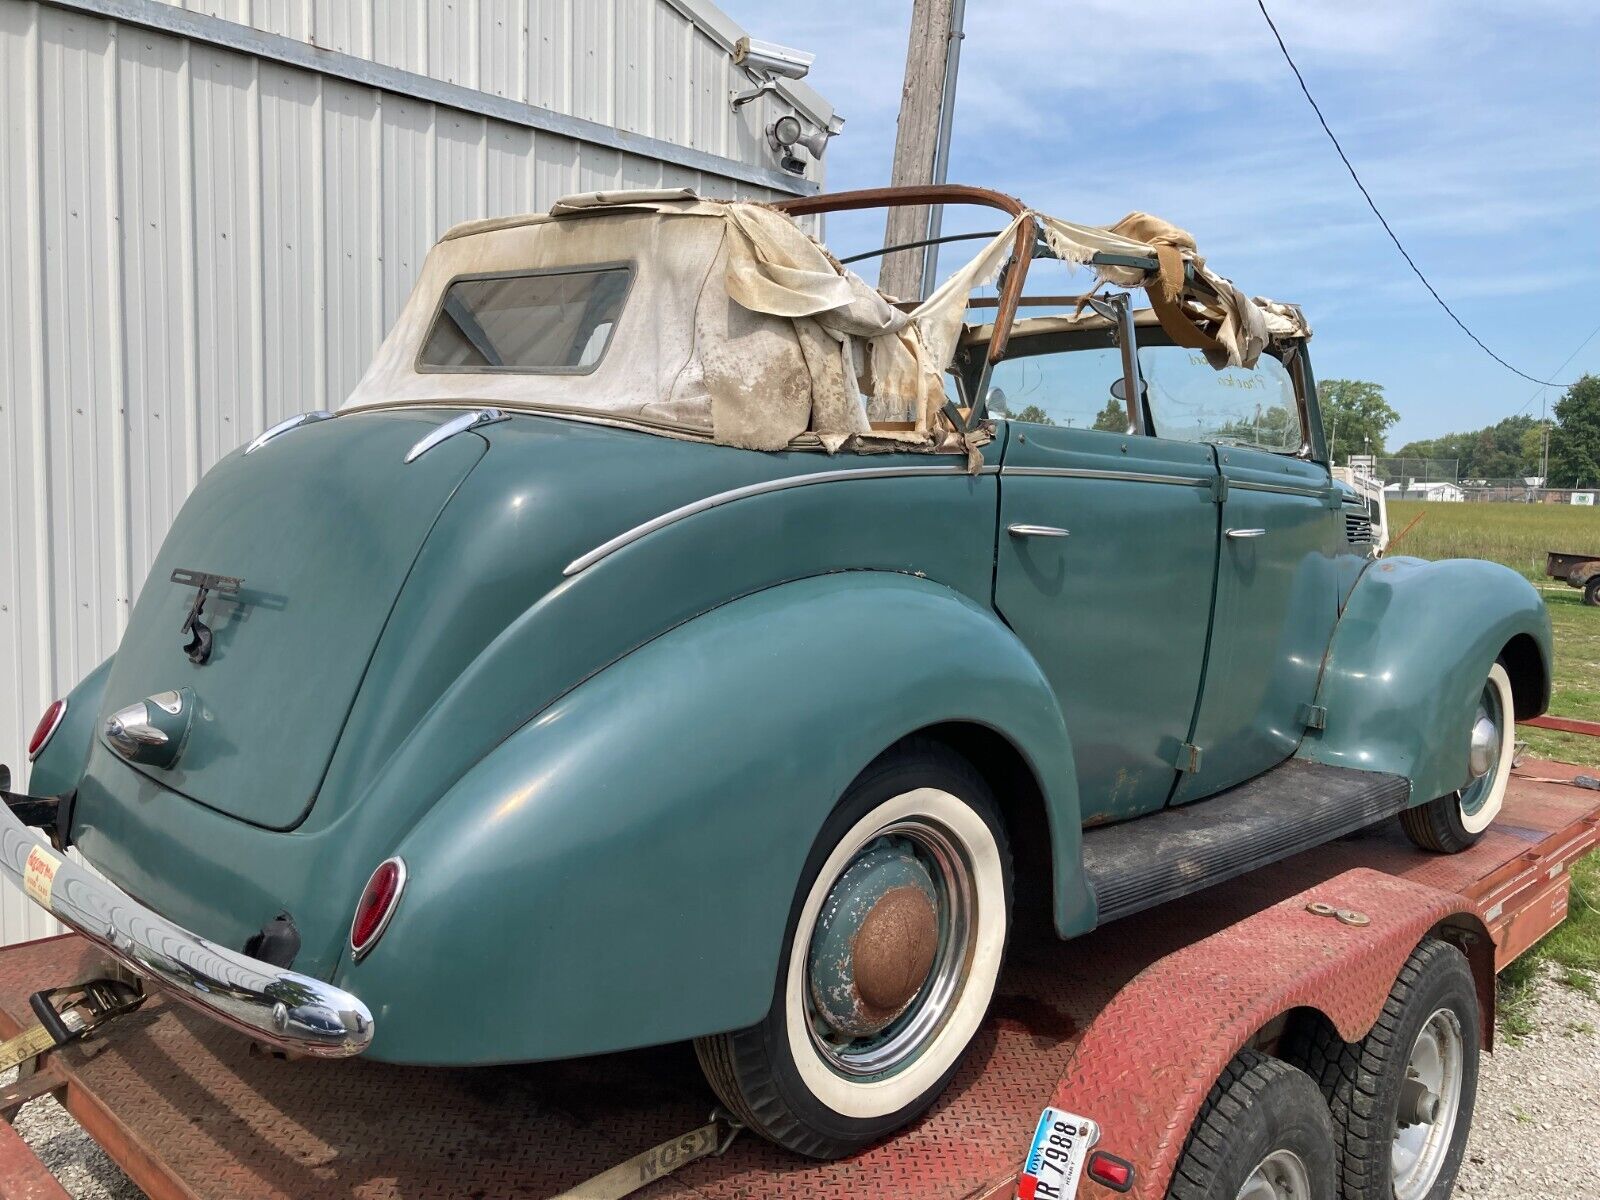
{"x": 1264, "y": 1134}
{"x": 895, "y": 945}
{"x": 1451, "y": 823}
{"x": 1591, "y": 592}
{"x": 1402, "y": 1097}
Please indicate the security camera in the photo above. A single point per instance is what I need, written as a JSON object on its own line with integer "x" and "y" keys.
{"x": 766, "y": 59}
{"x": 764, "y": 62}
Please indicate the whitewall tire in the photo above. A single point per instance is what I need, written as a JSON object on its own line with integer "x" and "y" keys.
{"x": 895, "y": 944}
{"x": 1452, "y": 823}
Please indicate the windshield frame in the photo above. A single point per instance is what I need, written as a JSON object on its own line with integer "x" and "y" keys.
{"x": 425, "y": 368}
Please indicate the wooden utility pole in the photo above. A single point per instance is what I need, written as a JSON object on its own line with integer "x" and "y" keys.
{"x": 916, "y": 141}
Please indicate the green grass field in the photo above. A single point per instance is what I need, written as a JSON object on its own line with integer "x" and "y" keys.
{"x": 1518, "y": 536}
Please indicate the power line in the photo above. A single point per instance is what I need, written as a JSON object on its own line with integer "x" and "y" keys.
{"x": 1288, "y": 58}
{"x": 1558, "y": 370}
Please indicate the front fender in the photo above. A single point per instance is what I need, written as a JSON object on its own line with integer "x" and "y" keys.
{"x": 620, "y": 871}
{"x": 1407, "y": 664}
{"x": 60, "y": 765}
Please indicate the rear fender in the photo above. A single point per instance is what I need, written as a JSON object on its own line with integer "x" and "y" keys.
{"x": 1408, "y": 661}
{"x": 620, "y": 871}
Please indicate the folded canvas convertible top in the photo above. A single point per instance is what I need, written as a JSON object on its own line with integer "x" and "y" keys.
{"x": 740, "y": 328}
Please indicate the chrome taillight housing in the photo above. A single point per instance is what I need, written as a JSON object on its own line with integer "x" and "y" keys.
{"x": 378, "y": 901}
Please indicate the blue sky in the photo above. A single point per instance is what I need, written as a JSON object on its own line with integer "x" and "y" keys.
{"x": 1476, "y": 125}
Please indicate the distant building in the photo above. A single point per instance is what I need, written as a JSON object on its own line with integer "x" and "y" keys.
{"x": 1440, "y": 490}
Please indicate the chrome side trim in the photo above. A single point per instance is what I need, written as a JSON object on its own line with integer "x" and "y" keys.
{"x": 1125, "y": 476}
{"x": 470, "y": 420}
{"x": 1044, "y": 531}
{"x": 629, "y": 536}
{"x": 1283, "y": 489}
{"x": 271, "y": 1004}
{"x": 283, "y": 427}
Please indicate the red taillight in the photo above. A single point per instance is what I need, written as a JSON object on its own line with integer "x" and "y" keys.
{"x": 46, "y": 728}
{"x": 377, "y": 905}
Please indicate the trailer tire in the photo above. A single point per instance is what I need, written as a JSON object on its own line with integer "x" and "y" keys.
{"x": 859, "y": 1042}
{"x": 1433, "y": 1002}
{"x": 1263, "y": 1123}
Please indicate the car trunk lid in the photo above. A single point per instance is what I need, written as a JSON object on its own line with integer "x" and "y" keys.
{"x": 322, "y": 526}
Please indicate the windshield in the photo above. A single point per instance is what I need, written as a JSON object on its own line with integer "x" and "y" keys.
{"x": 555, "y": 322}
{"x": 1080, "y": 386}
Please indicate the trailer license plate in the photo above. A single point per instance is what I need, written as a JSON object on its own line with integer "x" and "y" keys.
{"x": 1055, "y": 1160}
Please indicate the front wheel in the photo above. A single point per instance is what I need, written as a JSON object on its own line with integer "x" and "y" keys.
{"x": 1452, "y": 823}
{"x": 1591, "y": 592}
{"x": 895, "y": 945}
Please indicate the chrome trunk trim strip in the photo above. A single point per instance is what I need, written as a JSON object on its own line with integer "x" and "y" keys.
{"x": 282, "y": 427}
{"x": 469, "y": 420}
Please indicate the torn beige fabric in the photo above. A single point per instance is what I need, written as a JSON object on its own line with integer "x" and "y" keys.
{"x": 740, "y": 328}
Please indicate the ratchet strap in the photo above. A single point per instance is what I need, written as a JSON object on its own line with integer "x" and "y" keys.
{"x": 66, "y": 1014}
{"x": 712, "y": 1138}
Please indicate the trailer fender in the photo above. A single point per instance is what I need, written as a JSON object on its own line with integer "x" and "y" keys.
{"x": 1407, "y": 664}
{"x": 1146, "y": 1063}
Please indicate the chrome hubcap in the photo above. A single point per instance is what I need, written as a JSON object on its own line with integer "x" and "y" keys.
{"x": 1281, "y": 1175}
{"x": 891, "y": 950}
{"x": 1430, "y": 1102}
{"x": 1485, "y": 743}
{"x": 1483, "y": 753}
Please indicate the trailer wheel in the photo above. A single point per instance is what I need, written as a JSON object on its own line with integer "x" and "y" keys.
{"x": 1452, "y": 823}
{"x": 1263, "y": 1134}
{"x": 1402, "y": 1097}
{"x": 895, "y": 942}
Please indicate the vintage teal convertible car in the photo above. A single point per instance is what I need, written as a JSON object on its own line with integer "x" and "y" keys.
{"x": 675, "y": 638}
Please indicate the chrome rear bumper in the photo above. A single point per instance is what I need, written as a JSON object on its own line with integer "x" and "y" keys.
{"x": 280, "y": 1007}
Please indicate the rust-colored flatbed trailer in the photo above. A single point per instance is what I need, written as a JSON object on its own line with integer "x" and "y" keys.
{"x": 1129, "y": 1025}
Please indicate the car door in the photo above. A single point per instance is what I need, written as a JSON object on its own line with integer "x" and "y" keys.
{"x": 1277, "y": 582}
{"x": 1104, "y": 569}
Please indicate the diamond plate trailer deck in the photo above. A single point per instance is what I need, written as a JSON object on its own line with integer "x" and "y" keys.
{"x": 1129, "y": 1025}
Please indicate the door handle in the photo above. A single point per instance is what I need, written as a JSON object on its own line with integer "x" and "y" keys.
{"x": 1036, "y": 531}
{"x": 1246, "y": 533}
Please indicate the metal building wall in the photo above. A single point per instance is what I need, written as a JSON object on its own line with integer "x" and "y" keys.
{"x": 198, "y": 240}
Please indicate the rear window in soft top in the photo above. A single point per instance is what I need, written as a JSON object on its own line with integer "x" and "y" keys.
{"x": 552, "y": 322}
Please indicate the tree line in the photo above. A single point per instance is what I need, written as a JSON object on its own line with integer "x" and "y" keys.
{"x": 1356, "y": 416}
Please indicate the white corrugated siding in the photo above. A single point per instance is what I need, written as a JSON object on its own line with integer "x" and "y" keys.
{"x": 196, "y": 242}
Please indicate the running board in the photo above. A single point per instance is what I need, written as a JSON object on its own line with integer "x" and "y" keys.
{"x": 1141, "y": 863}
